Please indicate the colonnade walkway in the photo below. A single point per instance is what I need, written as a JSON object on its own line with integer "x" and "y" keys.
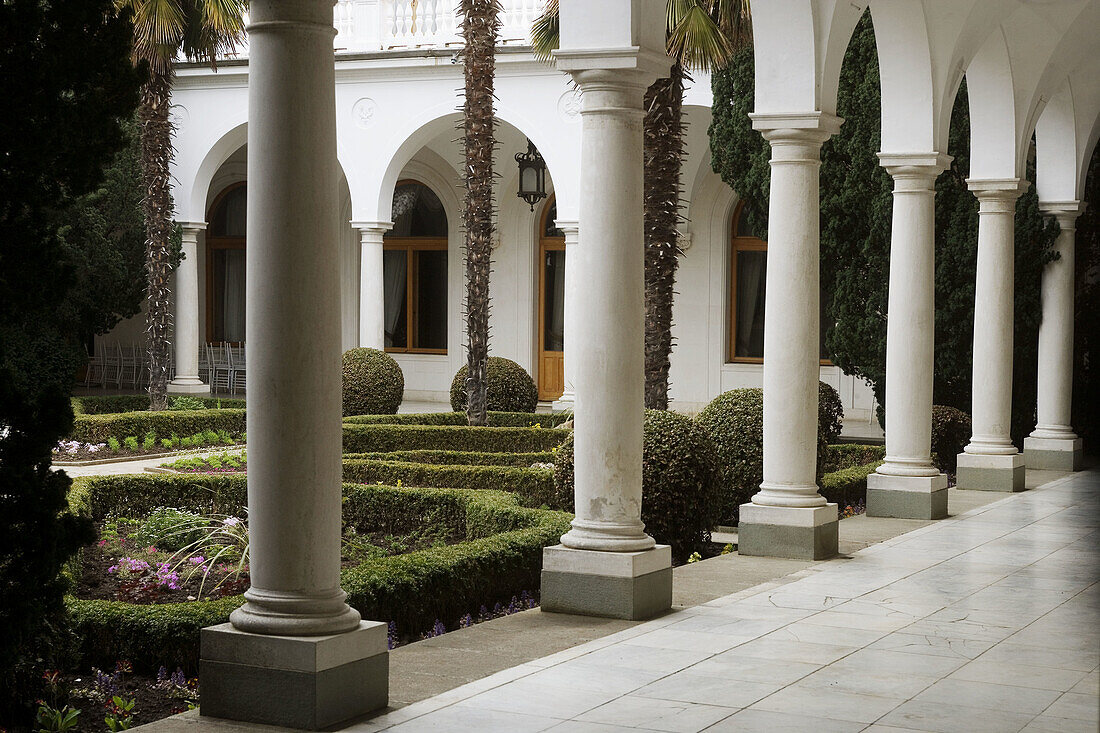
{"x": 987, "y": 621}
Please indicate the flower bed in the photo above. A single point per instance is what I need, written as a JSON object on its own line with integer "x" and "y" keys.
{"x": 225, "y": 462}
{"x": 494, "y": 554}
{"x": 149, "y": 444}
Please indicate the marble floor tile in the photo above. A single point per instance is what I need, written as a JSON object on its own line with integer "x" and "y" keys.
{"x": 1049, "y": 724}
{"x": 532, "y": 698}
{"x": 768, "y": 721}
{"x": 654, "y": 714}
{"x": 954, "y": 691}
{"x": 999, "y": 670}
{"x": 1075, "y": 706}
{"x": 834, "y": 705}
{"x": 707, "y": 690}
{"x": 458, "y": 718}
{"x": 794, "y": 651}
{"x": 737, "y": 666}
{"x": 946, "y": 718}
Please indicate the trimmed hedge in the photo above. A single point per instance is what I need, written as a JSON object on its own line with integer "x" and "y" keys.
{"x": 847, "y": 486}
{"x": 360, "y": 438}
{"x": 500, "y": 557}
{"x": 681, "y": 481}
{"x": 534, "y": 486}
{"x": 848, "y": 455}
{"x": 115, "y": 403}
{"x": 457, "y": 458}
{"x": 373, "y": 383}
{"x": 734, "y": 421}
{"x": 509, "y": 388}
{"x": 951, "y": 429}
{"x": 830, "y": 412}
{"x": 496, "y": 419}
{"x": 98, "y": 428}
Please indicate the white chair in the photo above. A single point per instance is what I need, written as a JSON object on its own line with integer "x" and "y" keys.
{"x": 94, "y": 372}
{"x": 237, "y": 368}
{"x": 128, "y": 365}
{"x": 112, "y": 365}
{"x": 220, "y": 374}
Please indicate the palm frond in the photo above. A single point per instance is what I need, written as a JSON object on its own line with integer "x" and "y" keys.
{"x": 696, "y": 42}
{"x": 158, "y": 29}
{"x": 734, "y": 18}
{"x": 545, "y": 32}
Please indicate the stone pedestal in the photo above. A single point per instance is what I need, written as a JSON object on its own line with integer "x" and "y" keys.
{"x": 907, "y": 497}
{"x": 186, "y": 316}
{"x": 309, "y": 682}
{"x": 630, "y": 585}
{"x": 991, "y": 472}
{"x": 800, "y": 533}
{"x": 1053, "y": 454}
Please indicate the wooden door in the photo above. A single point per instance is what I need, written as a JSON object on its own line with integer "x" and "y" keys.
{"x": 551, "y": 305}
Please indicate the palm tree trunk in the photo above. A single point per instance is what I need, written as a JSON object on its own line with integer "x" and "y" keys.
{"x": 156, "y": 158}
{"x": 663, "y": 152}
{"x": 480, "y": 27}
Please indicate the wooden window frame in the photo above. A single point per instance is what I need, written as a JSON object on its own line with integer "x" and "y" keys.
{"x": 546, "y": 244}
{"x": 215, "y": 242}
{"x": 744, "y": 244}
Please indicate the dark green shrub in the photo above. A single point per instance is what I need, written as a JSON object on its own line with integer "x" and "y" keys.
{"x": 510, "y": 387}
{"x": 951, "y": 430}
{"x": 497, "y": 419}
{"x": 373, "y": 383}
{"x": 387, "y": 438}
{"x": 185, "y": 402}
{"x": 97, "y": 428}
{"x": 168, "y": 528}
{"x": 734, "y": 421}
{"x": 534, "y": 486}
{"x": 847, "y": 486}
{"x": 681, "y": 481}
{"x": 457, "y": 458}
{"x": 115, "y": 403}
{"x": 848, "y": 455}
{"x": 830, "y": 413}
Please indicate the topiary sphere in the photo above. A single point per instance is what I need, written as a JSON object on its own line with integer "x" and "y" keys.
{"x": 510, "y": 388}
{"x": 735, "y": 419}
{"x": 373, "y": 383}
{"x": 681, "y": 481}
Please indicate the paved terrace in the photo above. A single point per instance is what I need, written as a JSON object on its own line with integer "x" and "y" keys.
{"x": 986, "y": 621}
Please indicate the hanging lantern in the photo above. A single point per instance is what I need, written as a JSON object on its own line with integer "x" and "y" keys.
{"x": 532, "y": 175}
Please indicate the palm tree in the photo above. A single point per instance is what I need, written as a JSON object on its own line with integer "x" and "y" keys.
{"x": 480, "y": 28}
{"x": 163, "y": 29}
{"x": 701, "y": 35}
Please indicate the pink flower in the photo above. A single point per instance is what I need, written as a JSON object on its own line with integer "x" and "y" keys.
{"x": 101, "y": 543}
{"x": 112, "y": 569}
{"x": 231, "y": 521}
{"x": 151, "y": 550}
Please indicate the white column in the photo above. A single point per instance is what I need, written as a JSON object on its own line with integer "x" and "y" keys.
{"x": 608, "y": 344}
{"x": 907, "y": 484}
{"x": 295, "y": 629}
{"x": 567, "y": 401}
{"x": 372, "y": 298}
{"x": 186, "y": 316}
{"x": 1053, "y": 444}
{"x": 990, "y": 460}
{"x": 788, "y": 517}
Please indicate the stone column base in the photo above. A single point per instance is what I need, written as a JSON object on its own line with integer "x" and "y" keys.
{"x": 630, "y": 585}
{"x": 991, "y": 472}
{"x": 308, "y": 682}
{"x": 563, "y": 403}
{"x": 1053, "y": 454}
{"x": 801, "y": 533}
{"x": 186, "y": 386}
{"x": 907, "y": 497}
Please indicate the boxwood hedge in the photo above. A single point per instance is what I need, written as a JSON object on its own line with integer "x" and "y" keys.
{"x": 847, "y": 486}
{"x": 360, "y": 438}
{"x": 98, "y": 428}
{"x": 457, "y": 458}
{"x": 496, "y": 419}
{"x": 114, "y": 403}
{"x": 849, "y": 455}
{"x": 500, "y": 557}
{"x": 534, "y": 486}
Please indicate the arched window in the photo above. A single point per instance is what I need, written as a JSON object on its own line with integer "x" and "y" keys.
{"x": 225, "y": 255}
{"x": 415, "y": 271}
{"x": 748, "y": 276}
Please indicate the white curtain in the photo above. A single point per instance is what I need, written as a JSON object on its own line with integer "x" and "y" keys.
{"x": 394, "y": 268}
{"x": 233, "y": 295}
{"x": 751, "y": 268}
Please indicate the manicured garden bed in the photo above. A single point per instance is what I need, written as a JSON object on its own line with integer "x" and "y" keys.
{"x": 423, "y": 559}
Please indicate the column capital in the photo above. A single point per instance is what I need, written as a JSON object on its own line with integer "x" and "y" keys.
{"x": 630, "y": 64}
{"x": 921, "y": 169}
{"x": 372, "y": 226}
{"x": 993, "y": 189}
{"x": 796, "y": 127}
{"x": 568, "y": 227}
{"x": 195, "y": 225}
{"x": 1064, "y": 212}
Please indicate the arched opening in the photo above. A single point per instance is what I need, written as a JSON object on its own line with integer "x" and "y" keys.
{"x": 225, "y": 266}
{"x": 551, "y": 305}
{"x": 415, "y": 271}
